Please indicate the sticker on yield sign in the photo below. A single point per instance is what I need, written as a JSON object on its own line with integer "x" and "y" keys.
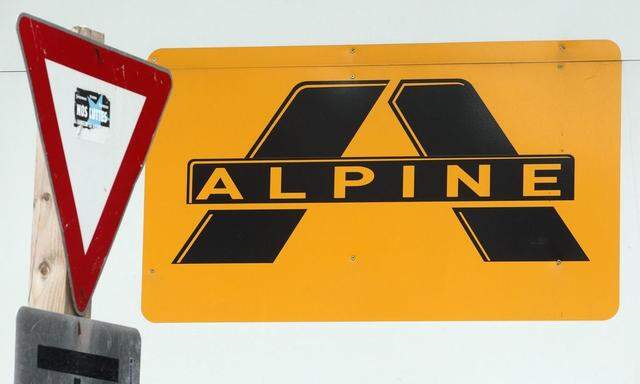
{"x": 92, "y": 115}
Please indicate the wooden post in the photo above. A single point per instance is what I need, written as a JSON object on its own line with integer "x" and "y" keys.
{"x": 49, "y": 287}
{"x": 90, "y": 33}
{"x": 49, "y": 283}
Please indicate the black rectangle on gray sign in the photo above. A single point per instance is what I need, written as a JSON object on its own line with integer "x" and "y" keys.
{"x": 57, "y": 348}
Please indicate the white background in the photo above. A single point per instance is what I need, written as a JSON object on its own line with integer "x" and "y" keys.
{"x": 419, "y": 352}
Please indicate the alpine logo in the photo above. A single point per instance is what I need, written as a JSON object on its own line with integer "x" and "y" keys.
{"x": 463, "y": 156}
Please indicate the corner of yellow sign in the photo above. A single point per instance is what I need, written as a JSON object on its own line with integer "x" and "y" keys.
{"x": 150, "y": 309}
{"x": 149, "y": 314}
{"x": 154, "y": 56}
{"x": 609, "y": 311}
{"x": 612, "y": 49}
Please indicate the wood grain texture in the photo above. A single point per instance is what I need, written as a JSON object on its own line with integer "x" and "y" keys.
{"x": 49, "y": 284}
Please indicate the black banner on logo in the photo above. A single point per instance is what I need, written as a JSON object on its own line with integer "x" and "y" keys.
{"x": 378, "y": 180}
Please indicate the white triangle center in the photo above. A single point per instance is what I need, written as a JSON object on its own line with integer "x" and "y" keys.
{"x": 96, "y": 121}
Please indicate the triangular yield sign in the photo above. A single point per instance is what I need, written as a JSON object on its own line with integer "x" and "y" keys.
{"x": 98, "y": 109}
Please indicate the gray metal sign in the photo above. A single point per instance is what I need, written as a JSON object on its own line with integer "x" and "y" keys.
{"x": 52, "y": 348}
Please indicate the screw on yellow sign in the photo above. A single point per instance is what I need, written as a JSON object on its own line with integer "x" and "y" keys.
{"x": 386, "y": 182}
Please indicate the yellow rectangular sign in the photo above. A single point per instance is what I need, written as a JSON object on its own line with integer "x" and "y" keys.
{"x": 474, "y": 181}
